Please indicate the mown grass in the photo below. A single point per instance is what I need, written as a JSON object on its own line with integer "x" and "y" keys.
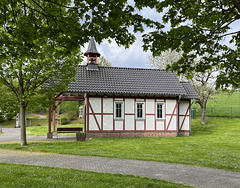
{"x": 222, "y": 105}
{"x": 42, "y": 130}
{"x": 8, "y": 124}
{"x": 225, "y": 100}
{"x": 13, "y": 175}
{"x": 215, "y": 145}
{"x": 32, "y": 120}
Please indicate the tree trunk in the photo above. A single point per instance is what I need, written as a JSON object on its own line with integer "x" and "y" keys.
{"x": 204, "y": 117}
{"x": 23, "y": 125}
{"x": 23, "y": 106}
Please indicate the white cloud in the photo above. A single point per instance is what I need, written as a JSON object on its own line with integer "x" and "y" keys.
{"x": 121, "y": 57}
{"x": 134, "y": 56}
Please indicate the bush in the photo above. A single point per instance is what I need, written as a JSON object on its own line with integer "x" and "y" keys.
{"x": 1, "y": 119}
{"x": 71, "y": 115}
{"x": 47, "y": 117}
{"x": 64, "y": 121}
{"x": 10, "y": 116}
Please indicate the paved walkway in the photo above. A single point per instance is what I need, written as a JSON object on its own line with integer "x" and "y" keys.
{"x": 184, "y": 174}
{"x": 13, "y": 135}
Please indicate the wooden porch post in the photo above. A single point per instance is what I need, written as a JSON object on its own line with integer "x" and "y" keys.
{"x": 49, "y": 134}
{"x": 54, "y": 118}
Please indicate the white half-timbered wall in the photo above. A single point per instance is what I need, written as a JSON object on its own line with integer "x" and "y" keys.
{"x": 100, "y": 115}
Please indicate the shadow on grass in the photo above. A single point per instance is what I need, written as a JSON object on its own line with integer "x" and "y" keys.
{"x": 199, "y": 130}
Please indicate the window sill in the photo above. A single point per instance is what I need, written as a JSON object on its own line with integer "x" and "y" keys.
{"x": 163, "y": 119}
{"x": 118, "y": 119}
{"x": 142, "y": 119}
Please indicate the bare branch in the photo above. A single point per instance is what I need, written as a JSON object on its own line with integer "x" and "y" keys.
{"x": 10, "y": 85}
{"x": 232, "y": 33}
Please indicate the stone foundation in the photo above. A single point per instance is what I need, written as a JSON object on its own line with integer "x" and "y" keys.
{"x": 135, "y": 134}
{"x": 184, "y": 134}
{"x": 49, "y": 135}
{"x": 80, "y": 136}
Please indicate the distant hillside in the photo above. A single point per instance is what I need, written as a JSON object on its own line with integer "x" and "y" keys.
{"x": 222, "y": 105}
{"x": 225, "y": 100}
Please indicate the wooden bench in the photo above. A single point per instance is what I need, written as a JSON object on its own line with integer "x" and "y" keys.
{"x": 78, "y": 130}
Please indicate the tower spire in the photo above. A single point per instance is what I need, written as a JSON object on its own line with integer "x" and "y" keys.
{"x": 92, "y": 52}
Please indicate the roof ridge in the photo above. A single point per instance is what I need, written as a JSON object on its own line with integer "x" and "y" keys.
{"x": 132, "y": 68}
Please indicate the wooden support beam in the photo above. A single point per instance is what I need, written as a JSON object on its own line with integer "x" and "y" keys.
{"x": 60, "y": 103}
{"x": 54, "y": 118}
{"x": 69, "y": 98}
{"x": 49, "y": 119}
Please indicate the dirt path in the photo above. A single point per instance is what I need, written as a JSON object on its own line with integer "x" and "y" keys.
{"x": 40, "y": 116}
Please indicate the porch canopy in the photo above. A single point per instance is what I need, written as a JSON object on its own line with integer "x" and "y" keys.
{"x": 62, "y": 96}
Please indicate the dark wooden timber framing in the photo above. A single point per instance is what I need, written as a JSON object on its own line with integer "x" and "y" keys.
{"x": 57, "y": 98}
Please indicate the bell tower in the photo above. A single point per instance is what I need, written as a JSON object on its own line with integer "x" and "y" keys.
{"x": 92, "y": 54}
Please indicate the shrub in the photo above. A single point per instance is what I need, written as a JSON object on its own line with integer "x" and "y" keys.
{"x": 47, "y": 117}
{"x": 10, "y": 116}
{"x": 71, "y": 115}
{"x": 64, "y": 121}
{"x": 1, "y": 119}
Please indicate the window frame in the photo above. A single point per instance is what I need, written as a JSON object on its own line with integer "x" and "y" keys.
{"x": 122, "y": 110}
{"x": 163, "y": 111}
{"x": 143, "y": 111}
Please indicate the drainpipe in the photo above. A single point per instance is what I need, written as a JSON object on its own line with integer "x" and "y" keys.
{"x": 194, "y": 101}
{"x": 85, "y": 114}
{"x": 179, "y": 98}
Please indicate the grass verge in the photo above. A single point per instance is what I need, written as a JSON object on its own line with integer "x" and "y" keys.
{"x": 13, "y": 175}
{"x": 215, "y": 145}
{"x": 42, "y": 130}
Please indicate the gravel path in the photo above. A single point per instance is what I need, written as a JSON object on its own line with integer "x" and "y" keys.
{"x": 184, "y": 174}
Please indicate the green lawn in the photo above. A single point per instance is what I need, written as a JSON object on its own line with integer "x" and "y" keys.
{"x": 225, "y": 100}
{"x": 222, "y": 105}
{"x": 31, "y": 119}
{"x": 34, "y": 120}
{"x": 215, "y": 145}
{"x": 42, "y": 130}
{"x": 13, "y": 175}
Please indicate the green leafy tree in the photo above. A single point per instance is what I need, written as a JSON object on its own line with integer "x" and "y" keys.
{"x": 200, "y": 28}
{"x": 40, "y": 40}
{"x": 38, "y": 102}
{"x": 204, "y": 83}
{"x": 102, "y": 61}
{"x": 8, "y": 101}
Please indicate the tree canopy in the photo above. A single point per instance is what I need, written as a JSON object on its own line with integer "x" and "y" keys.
{"x": 201, "y": 29}
{"x": 40, "y": 40}
{"x": 203, "y": 82}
